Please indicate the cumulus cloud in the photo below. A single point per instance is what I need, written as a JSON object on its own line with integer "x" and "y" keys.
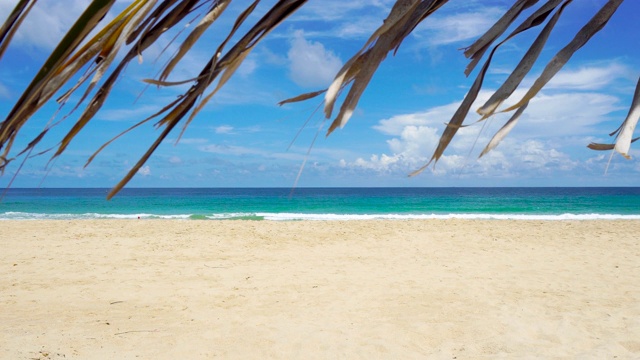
{"x": 145, "y": 170}
{"x": 536, "y": 146}
{"x": 311, "y": 65}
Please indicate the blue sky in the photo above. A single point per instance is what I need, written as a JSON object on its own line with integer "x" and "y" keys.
{"x": 242, "y": 138}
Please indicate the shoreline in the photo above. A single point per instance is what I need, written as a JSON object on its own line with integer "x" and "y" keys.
{"x": 315, "y": 217}
{"x": 319, "y": 289}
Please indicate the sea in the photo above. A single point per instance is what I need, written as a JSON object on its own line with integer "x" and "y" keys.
{"x": 286, "y": 204}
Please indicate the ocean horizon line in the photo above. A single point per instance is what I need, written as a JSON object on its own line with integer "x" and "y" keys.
{"x": 318, "y": 187}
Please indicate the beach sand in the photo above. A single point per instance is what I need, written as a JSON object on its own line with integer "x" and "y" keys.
{"x": 434, "y": 289}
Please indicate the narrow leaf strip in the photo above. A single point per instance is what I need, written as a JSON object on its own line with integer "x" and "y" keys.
{"x": 191, "y": 39}
{"x": 504, "y": 131}
{"x": 302, "y": 97}
{"x": 603, "y": 147}
{"x": 623, "y": 142}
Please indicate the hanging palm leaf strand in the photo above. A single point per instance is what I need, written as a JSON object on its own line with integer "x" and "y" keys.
{"x": 624, "y": 133}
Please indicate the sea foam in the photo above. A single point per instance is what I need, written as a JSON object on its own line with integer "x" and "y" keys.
{"x": 312, "y": 217}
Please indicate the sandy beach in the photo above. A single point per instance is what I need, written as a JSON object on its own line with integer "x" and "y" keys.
{"x": 434, "y": 289}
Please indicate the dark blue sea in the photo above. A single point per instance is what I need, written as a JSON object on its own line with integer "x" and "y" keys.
{"x": 324, "y": 203}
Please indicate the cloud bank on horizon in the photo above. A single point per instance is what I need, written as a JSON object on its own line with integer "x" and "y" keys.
{"x": 243, "y": 138}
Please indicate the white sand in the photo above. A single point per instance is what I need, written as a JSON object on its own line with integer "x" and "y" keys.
{"x": 437, "y": 289}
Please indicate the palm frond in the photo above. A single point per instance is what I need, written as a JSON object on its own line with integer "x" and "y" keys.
{"x": 624, "y": 133}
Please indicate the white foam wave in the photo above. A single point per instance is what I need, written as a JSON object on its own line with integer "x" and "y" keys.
{"x": 326, "y": 217}
{"x": 41, "y": 216}
{"x": 316, "y": 217}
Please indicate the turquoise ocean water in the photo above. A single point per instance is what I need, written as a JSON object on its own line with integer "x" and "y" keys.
{"x": 324, "y": 203}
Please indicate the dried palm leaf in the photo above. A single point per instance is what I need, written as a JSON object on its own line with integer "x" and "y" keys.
{"x": 624, "y": 133}
{"x": 592, "y": 27}
{"x": 623, "y": 142}
{"x": 217, "y": 9}
{"x": 504, "y": 131}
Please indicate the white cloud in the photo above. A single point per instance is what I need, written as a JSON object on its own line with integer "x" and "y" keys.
{"x": 224, "y": 129}
{"x": 130, "y": 114}
{"x": 190, "y": 141}
{"x": 565, "y": 114}
{"x": 358, "y": 27}
{"x": 311, "y": 65}
{"x": 436, "y": 116}
{"x": 229, "y": 150}
{"x": 175, "y": 160}
{"x": 440, "y": 30}
{"x": 145, "y": 170}
{"x": 588, "y": 77}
